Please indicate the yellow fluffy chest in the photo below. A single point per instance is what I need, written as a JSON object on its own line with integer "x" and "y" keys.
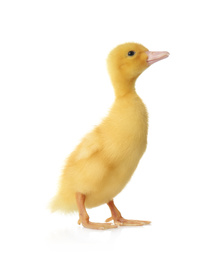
{"x": 124, "y": 140}
{"x": 125, "y": 130}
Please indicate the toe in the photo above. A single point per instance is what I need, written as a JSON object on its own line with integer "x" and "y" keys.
{"x": 99, "y": 226}
{"x": 126, "y": 222}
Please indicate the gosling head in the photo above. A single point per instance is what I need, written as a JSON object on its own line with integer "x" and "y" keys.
{"x": 127, "y": 61}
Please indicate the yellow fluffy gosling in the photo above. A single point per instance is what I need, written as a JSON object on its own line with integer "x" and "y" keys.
{"x": 102, "y": 164}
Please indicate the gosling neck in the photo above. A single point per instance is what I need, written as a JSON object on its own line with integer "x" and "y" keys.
{"x": 123, "y": 87}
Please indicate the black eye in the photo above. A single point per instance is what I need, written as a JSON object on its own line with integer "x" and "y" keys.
{"x": 131, "y": 53}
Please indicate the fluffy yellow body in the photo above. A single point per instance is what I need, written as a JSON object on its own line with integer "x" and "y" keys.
{"x": 105, "y": 160}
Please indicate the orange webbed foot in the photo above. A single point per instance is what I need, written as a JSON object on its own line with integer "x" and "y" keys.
{"x": 128, "y": 222}
{"x": 120, "y": 221}
{"x": 84, "y": 217}
{"x": 98, "y": 226}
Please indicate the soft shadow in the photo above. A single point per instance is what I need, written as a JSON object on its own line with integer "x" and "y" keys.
{"x": 79, "y": 234}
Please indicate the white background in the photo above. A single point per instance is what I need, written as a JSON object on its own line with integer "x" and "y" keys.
{"x": 55, "y": 88}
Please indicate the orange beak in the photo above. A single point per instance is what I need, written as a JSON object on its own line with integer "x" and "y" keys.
{"x": 154, "y": 56}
